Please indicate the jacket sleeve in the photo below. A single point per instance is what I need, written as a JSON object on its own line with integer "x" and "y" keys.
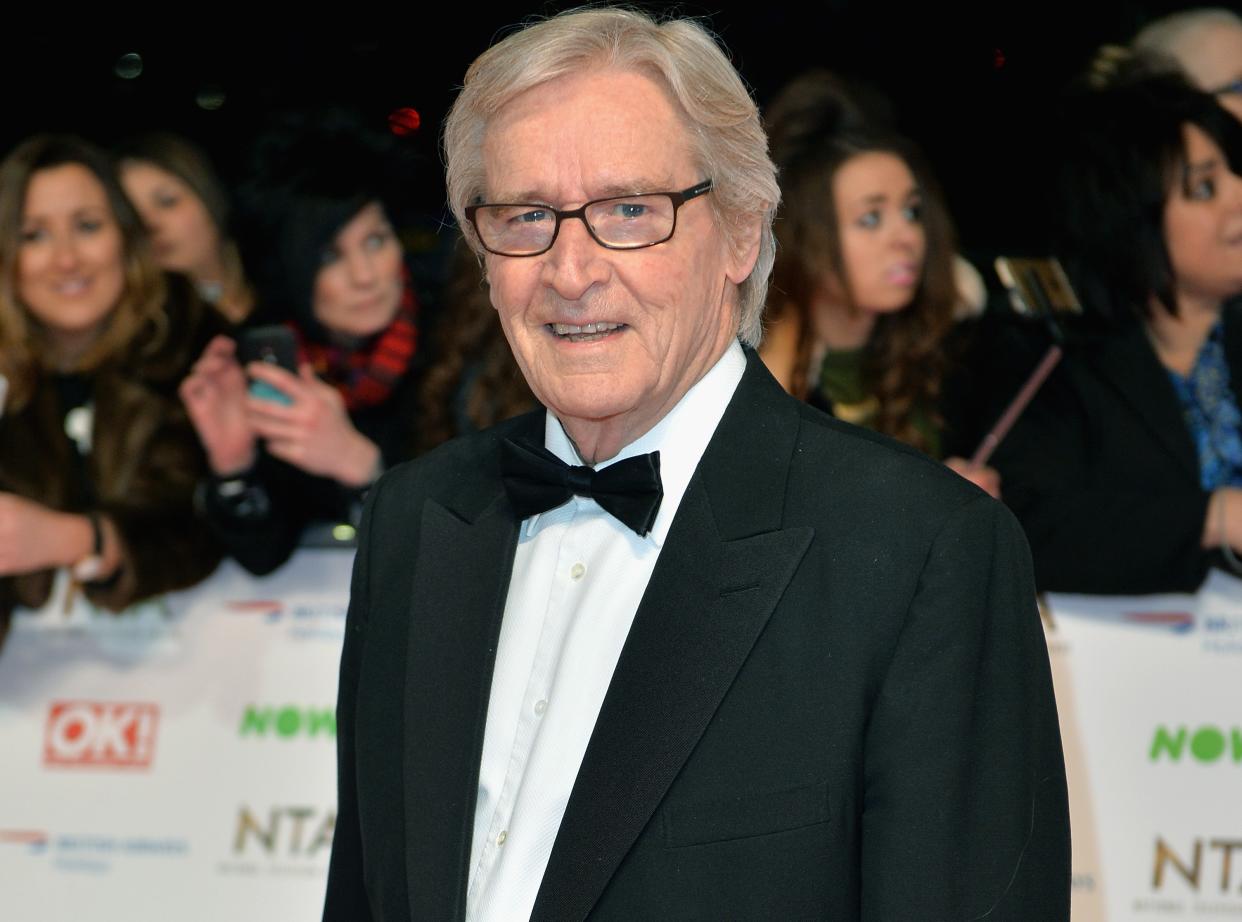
{"x": 1070, "y": 475}
{"x": 965, "y": 811}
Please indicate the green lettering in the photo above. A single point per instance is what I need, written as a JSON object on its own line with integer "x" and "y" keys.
{"x": 1169, "y": 743}
{"x": 1208, "y": 744}
{"x": 288, "y": 722}
{"x": 256, "y": 721}
{"x": 322, "y": 720}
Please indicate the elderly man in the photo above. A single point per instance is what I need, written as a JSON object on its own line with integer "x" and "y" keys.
{"x": 679, "y": 647}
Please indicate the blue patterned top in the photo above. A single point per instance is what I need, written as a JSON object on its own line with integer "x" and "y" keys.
{"x": 1211, "y": 414}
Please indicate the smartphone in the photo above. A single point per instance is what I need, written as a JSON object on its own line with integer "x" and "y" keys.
{"x": 1037, "y": 287}
{"x": 274, "y": 344}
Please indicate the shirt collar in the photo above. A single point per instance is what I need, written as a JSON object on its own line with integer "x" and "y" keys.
{"x": 680, "y": 437}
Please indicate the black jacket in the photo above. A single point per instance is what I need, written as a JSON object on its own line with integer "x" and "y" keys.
{"x": 834, "y": 701}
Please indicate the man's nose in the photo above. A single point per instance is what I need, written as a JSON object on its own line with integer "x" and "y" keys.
{"x": 575, "y": 262}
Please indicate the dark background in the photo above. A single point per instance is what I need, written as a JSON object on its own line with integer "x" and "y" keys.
{"x": 976, "y": 89}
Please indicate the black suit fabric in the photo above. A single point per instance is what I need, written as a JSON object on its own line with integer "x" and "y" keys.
{"x": 1103, "y": 473}
{"x": 834, "y": 701}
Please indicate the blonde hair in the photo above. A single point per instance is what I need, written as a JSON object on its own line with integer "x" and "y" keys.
{"x": 140, "y": 309}
{"x": 683, "y": 57}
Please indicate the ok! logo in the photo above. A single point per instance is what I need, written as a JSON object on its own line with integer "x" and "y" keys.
{"x": 100, "y": 734}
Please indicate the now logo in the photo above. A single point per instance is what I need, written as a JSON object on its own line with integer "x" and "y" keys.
{"x": 95, "y": 733}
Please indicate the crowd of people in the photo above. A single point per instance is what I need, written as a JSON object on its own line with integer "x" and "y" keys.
{"x": 191, "y": 371}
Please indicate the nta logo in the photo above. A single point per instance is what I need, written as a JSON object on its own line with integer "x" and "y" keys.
{"x": 93, "y": 733}
{"x": 288, "y": 722}
{"x": 1204, "y": 744}
{"x": 1169, "y": 865}
{"x": 291, "y": 831}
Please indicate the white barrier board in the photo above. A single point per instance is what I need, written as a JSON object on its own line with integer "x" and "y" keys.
{"x": 176, "y": 761}
{"x": 1150, "y": 694}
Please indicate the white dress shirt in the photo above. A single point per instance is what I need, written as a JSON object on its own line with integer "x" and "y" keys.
{"x": 578, "y": 577}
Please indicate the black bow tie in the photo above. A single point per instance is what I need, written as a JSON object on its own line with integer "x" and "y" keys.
{"x": 537, "y": 480}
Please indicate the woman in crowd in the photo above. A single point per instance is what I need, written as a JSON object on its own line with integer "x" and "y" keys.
{"x": 1127, "y": 469}
{"x": 863, "y": 291}
{"x": 98, "y": 463}
{"x": 327, "y": 265}
{"x": 186, "y": 211}
{"x": 474, "y": 381}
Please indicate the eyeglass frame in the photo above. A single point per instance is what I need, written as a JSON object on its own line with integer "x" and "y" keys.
{"x": 677, "y": 198}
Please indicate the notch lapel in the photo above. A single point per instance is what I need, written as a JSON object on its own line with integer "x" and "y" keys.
{"x": 722, "y": 570}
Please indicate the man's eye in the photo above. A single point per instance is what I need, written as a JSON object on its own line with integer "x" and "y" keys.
{"x": 630, "y": 210}
{"x": 534, "y": 216}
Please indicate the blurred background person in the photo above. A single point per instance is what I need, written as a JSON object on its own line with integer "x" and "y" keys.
{"x": 186, "y": 212}
{"x": 472, "y": 380}
{"x": 98, "y": 462}
{"x": 1206, "y": 43}
{"x": 864, "y": 289}
{"x": 1126, "y": 471}
{"x": 317, "y": 236}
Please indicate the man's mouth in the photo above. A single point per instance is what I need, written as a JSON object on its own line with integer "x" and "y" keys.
{"x": 586, "y": 333}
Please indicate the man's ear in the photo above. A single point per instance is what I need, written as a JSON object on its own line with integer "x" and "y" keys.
{"x": 748, "y": 233}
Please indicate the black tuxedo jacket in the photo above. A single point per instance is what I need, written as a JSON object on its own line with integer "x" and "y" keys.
{"x": 1104, "y": 475}
{"x": 834, "y": 701}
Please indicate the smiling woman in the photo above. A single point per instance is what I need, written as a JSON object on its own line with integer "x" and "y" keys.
{"x": 97, "y": 459}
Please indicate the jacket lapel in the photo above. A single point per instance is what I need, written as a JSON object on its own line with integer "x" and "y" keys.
{"x": 1130, "y": 365}
{"x": 722, "y": 570}
{"x": 460, "y": 583}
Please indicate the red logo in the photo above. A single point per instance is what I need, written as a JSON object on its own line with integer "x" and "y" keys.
{"x": 93, "y": 733}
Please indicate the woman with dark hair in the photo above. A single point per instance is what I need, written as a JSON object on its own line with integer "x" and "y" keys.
{"x": 1127, "y": 469}
{"x": 319, "y": 245}
{"x": 863, "y": 291}
{"x": 98, "y": 462}
{"x": 186, "y": 211}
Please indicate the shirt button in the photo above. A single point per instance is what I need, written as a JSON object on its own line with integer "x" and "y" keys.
{"x": 540, "y": 706}
{"x": 500, "y": 839}
{"x": 577, "y": 570}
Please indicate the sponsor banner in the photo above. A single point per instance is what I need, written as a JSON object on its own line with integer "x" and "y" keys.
{"x": 92, "y": 734}
{"x": 1147, "y": 688}
{"x": 184, "y": 767}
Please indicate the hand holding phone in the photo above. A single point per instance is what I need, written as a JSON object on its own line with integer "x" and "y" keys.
{"x": 275, "y": 345}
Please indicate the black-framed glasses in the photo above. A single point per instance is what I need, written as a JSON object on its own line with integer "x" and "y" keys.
{"x": 619, "y": 222}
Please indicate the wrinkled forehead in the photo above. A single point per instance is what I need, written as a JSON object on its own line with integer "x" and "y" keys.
{"x": 586, "y": 135}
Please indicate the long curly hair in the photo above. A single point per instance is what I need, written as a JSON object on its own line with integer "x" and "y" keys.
{"x": 815, "y": 127}
{"x": 473, "y": 381}
{"x": 137, "y": 322}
